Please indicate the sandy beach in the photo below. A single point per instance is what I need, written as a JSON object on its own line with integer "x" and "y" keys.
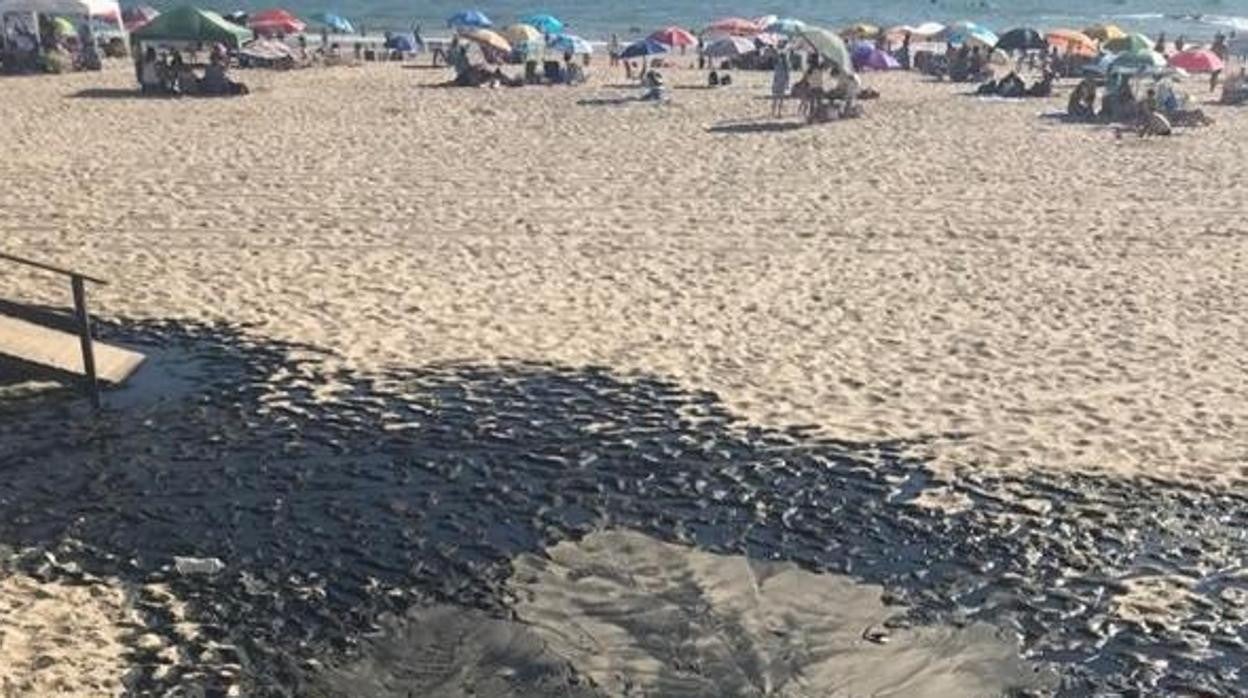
{"x": 965, "y": 288}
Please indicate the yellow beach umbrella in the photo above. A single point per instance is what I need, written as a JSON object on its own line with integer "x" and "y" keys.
{"x": 487, "y": 37}
{"x": 861, "y": 30}
{"x": 521, "y": 33}
{"x": 1105, "y": 32}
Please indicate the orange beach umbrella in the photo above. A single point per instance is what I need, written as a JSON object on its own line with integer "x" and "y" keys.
{"x": 1072, "y": 41}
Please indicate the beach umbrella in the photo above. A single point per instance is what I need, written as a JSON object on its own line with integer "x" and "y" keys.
{"x": 1072, "y": 41}
{"x": 403, "y": 43}
{"x": 729, "y": 47}
{"x": 137, "y": 16}
{"x": 486, "y": 38}
{"x": 1022, "y": 39}
{"x": 866, "y": 56}
{"x": 675, "y": 36}
{"x": 1129, "y": 44}
{"x": 927, "y": 30}
{"x": 1146, "y": 61}
{"x": 468, "y": 18}
{"x": 1104, "y": 32}
{"x": 733, "y": 26}
{"x": 238, "y": 17}
{"x": 860, "y": 30}
{"x": 971, "y": 34}
{"x": 63, "y": 27}
{"x": 1197, "y": 60}
{"x": 764, "y": 21}
{"x": 570, "y": 43}
{"x": 547, "y": 24}
{"x": 785, "y": 25}
{"x": 275, "y": 21}
{"x": 334, "y": 22}
{"x": 643, "y": 48}
{"x": 521, "y": 33}
{"x": 829, "y": 45}
{"x": 192, "y": 24}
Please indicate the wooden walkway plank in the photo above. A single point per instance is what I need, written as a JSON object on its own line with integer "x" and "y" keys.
{"x": 62, "y": 351}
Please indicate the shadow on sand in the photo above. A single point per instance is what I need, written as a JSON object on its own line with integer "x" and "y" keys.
{"x": 115, "y": 93}
{"x": 335, "y": 498}
{"x": 745, "y": 127}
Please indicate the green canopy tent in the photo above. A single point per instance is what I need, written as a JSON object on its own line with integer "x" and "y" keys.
{"x": 191, "y": 24}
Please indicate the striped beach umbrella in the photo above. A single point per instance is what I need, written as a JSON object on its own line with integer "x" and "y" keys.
{"x": 733, "y": 26}
{"x": 675, "y": 36}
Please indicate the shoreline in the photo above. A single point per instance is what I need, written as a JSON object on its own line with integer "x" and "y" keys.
{"x": 974, "y": 371}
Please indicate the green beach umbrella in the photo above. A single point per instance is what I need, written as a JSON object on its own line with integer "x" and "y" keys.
{"x": 63, "y": 27}
{"x": 1131, "y": 43}
{"x": 829, "y": 45}
{"x": 192, "y": 24}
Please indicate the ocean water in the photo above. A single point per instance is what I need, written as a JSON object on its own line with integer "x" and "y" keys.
{"x": 595, "y": 19}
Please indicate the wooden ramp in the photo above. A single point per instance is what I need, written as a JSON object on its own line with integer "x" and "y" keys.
{"x": 62, "y": 351}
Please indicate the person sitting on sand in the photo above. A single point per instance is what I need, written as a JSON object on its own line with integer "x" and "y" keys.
{"x": 216, "y": 82}
{"x": 1235, "y": 89}
{"x": 1011, "y": 86}
{"x": 653, "y": 82}
{"x": 1082, "y": 102}
{"x": 1043, "y": 87}
{"x": 573, "y": 74}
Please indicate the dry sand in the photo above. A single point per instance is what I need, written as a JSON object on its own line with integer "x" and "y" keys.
{"x": 1007, "y": 290}
{"x": 1052, "y": 295}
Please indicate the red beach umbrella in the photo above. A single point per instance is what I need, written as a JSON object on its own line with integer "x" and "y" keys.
{"x": 1197, "y": 60}
{"x": 276, "y": 21}
{"x": 734, "y": 26}
{"x": 135, "y": 17}
{"x": 674, "y": 36}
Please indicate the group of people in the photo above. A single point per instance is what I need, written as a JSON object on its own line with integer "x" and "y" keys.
{"x": 1012, "y": 86}
{"x": 1159, "y": 108}
{"x": 170, "y": 74}
{"x": 553, "y": 72}
{"x": 50, "y": 50}
{"x": 826, "y": 90}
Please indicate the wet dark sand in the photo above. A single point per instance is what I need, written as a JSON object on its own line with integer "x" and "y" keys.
{"x": 339, "y": 500}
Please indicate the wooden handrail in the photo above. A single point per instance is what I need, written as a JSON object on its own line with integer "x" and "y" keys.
{"x": 53, "y": 269}
{"x": 82, "y": 317}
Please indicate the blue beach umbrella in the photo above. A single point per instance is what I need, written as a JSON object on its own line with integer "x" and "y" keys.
{"x": 334, "y": 22}
{"x": 643, "y": 48}
{"x": 569, "y": 43}
{"x": 405, "y": 43}
{"x": 469, "y": 18}
{"x": 546, "y": 24}
{"x": 970, "y": 33}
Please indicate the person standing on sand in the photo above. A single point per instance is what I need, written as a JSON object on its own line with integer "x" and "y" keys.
{"x": 779, "y": 84}
{"x": 613, "y": 50}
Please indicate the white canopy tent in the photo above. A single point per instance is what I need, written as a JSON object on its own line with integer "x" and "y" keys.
{"x": 109, "y": 9}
